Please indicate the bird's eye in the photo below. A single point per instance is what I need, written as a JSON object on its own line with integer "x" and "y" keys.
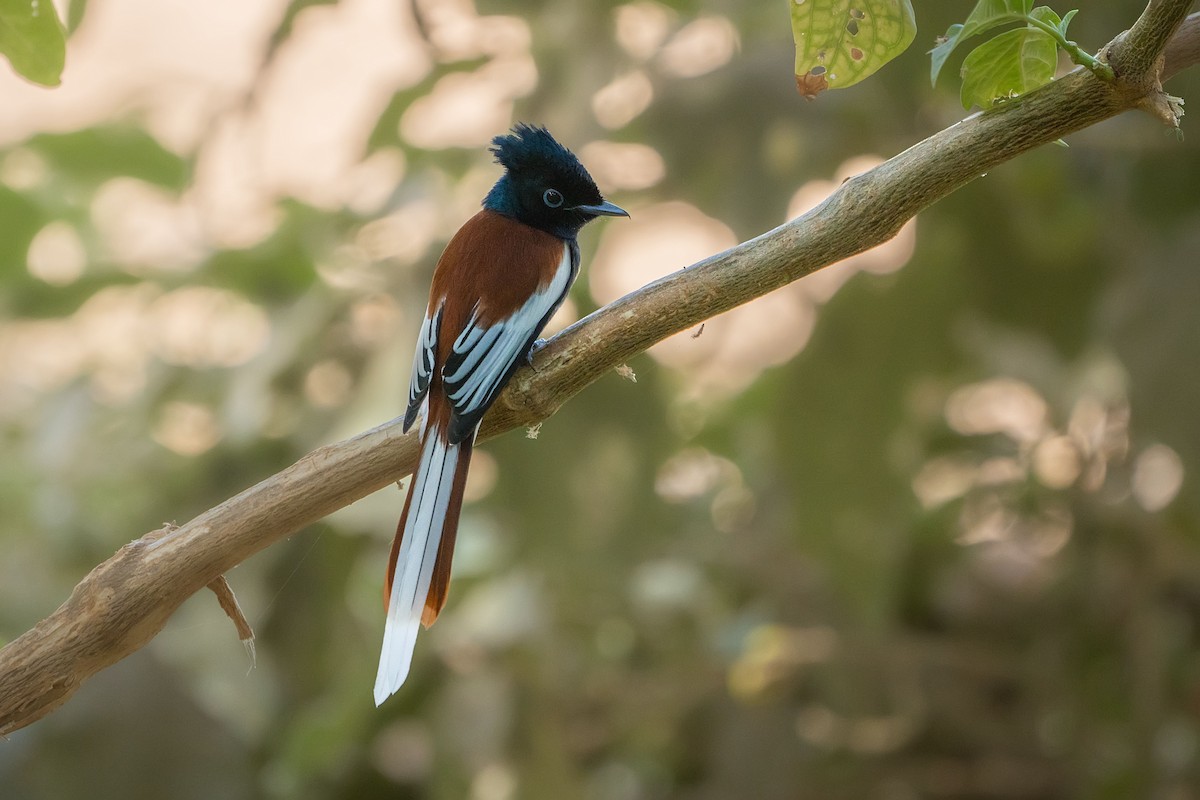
{"x": 552, "y": 198}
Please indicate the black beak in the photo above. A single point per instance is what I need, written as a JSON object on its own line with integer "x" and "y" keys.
{"x": 605, "y": 209}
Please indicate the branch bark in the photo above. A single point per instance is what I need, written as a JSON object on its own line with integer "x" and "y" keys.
{"x": 124, "y": 602}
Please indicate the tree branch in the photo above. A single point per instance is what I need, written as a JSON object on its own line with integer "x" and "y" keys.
{"x": 1137, "y": 58}
{"x": 1183, "y": 50}
{"x": 125, "y": 601}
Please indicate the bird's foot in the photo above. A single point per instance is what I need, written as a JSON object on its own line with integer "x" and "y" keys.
{"x": 537, "y": 345}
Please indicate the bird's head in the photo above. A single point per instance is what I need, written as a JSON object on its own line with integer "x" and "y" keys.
{"x": 544, "y": 185}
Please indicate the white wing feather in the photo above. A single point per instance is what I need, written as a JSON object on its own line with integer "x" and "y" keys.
{"x": 423, "y": 360}
{"x": 482, "y": 357}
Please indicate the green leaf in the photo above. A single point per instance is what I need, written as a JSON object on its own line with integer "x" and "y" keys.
{"x": 1062, "y": 26}
{"x": 1011, "y": 64}
{"x": 945, "y": 46}
{"x": 840, "y": 42}
{"x": 986, "y": 15}
{"x": 1047, "y": 15}
{"x": 32, "y": 39}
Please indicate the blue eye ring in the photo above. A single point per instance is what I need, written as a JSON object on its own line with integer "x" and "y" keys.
{"x": 552, "y": 198}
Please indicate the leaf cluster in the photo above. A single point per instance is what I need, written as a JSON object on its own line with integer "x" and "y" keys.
{"x": 839, "y": 43}
{"x": 1014, "y": 62}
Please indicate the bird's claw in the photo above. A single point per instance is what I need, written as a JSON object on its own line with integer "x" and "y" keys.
{"x": 537, "y": 345}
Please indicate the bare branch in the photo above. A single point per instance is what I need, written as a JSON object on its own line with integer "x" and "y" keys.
{"x": 1184, "y": 48}
{"x": 125, "y": 601}
{"x": 1138, "y": 59}
{"x": 1138, "y": 53}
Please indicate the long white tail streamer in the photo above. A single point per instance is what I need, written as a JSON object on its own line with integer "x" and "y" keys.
{"x": 432, "y": 485}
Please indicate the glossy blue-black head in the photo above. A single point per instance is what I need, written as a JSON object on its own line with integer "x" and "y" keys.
{"x": 544, "y": 185}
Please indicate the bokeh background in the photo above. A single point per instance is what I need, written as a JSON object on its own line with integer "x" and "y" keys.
{"x": 921, "y": 525}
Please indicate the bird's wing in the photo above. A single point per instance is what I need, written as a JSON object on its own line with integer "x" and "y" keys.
{"x": 484, "y": 356}
{"x": 423, "y": 360}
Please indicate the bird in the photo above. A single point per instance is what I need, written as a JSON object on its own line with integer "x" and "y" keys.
{"x": 498, "y": 282}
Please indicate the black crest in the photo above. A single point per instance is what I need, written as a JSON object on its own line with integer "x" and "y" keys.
{"x": 544, "y": 185}
{"x": 531, "y": 149}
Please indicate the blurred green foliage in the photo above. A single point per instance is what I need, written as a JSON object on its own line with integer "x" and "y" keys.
{"x": 950, "y": 549}
{"x": 32, "y": 39}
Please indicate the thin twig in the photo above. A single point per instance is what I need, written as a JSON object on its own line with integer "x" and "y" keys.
{"x": 229, "y": 604}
